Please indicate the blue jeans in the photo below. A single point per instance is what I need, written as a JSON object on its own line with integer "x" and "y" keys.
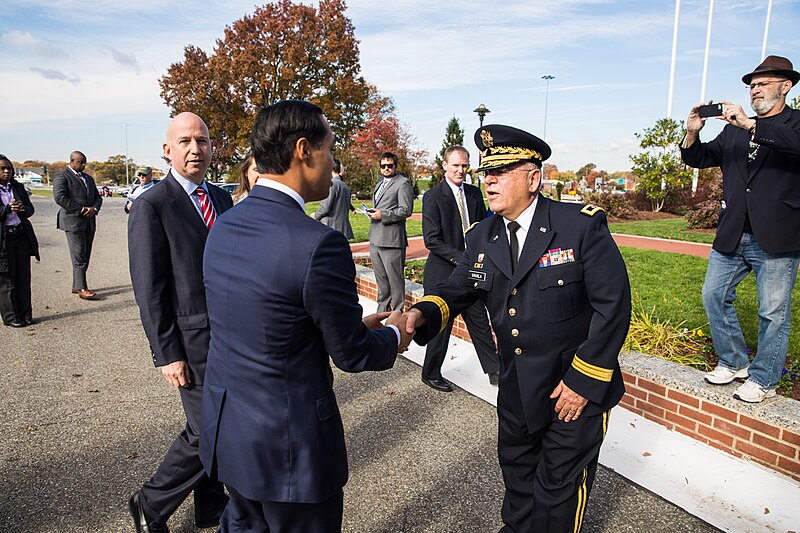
{"x": 775, "y": 278}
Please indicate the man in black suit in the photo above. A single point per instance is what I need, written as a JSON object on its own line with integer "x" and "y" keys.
{"x": 558, "y": 294}
{"x": 448, "y": 210}
{"x": 167, "y": 232}
{"x": 759, "y": 225}
{"x": 76, "y": 193}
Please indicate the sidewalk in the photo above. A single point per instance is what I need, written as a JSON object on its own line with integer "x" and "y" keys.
{"x": 416, "y": 246}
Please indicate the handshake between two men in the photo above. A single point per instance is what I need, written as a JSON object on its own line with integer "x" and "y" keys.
{"x": 404, "y": 322}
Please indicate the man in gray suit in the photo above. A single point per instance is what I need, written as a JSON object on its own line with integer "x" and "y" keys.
{"x": 80, "y": 202}
{"x": 393, "y": 203}
{"x": 334, "y": 211}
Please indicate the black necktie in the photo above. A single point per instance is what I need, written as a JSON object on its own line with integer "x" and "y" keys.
{"x": 512, "y": 240}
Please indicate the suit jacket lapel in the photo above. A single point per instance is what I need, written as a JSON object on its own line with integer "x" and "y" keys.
{"x": 764, "y": 151}
{"x": 536, "y": 242}
{"x": 183, "y": 206}
{"x": 472, "y": 206}
{"x": 497, "y": 248}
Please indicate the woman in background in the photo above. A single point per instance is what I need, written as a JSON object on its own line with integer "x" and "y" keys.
{"x": 248, "y": 174}
{"x": 17, "y": 244}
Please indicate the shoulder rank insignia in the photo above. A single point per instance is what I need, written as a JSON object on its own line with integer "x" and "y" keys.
{"x": 591, "y": 210}
{"x": 470, "y": 227}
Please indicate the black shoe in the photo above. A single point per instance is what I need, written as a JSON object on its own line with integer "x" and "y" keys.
{"x": 494, "y": 378}
{"x": 16, "y": 324}
{"x": 140, "y": 521}
{"x": 440, "y": 384}
{"x": 29, "y": 322}
{"x": 213, "y": 519}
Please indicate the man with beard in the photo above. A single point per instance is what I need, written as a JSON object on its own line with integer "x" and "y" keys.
{"x": 759, "y": 225}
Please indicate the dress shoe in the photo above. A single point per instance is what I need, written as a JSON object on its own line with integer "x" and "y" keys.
{"x": 494, "y": 378}
{"x": 75, "y": 291}
{"x": 85, "y": 294}
{"x": 140, "y": 520}
{"x": 15, "y": 324}
{"x": 440, "y": 384}
{"x": 30, "y": 321}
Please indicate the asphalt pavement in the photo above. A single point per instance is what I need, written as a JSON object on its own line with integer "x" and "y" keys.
{"x": 85, "y": 419}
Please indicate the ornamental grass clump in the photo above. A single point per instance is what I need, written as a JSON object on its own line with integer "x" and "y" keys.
{"x": 658, "y": 338}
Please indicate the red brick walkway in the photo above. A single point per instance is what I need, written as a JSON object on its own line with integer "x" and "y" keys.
{"x": 416, "y": 247}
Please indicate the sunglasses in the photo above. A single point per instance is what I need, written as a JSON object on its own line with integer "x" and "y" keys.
{"x": 389, "y": 165}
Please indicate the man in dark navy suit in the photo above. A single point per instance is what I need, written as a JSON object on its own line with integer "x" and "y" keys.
{"x": 167, "y": 232}
{"x": 282, "y": 302}
{"x": 448, "y": 210}
{"x": 557, "y": 291}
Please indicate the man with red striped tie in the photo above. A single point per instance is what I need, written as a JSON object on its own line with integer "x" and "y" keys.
{"x": 167, "y": 232}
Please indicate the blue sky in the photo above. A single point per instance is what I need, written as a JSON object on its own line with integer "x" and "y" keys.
{"x": 74, "y": 71}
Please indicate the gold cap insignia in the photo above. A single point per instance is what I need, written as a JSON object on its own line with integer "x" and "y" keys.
{"x": 486, "y": 137}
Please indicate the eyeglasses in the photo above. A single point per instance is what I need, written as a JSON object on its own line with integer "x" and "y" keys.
{"x": 761, "y": 84}
{"x": 387, "y": 165}
{"x": 500, "y": 172}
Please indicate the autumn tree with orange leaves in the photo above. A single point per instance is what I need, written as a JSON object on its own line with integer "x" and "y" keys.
{"x": 282, "y": 51}
{"x": 382, "y": 132}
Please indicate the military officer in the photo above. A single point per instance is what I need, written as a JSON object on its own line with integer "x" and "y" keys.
{"x": 557, "y": 291}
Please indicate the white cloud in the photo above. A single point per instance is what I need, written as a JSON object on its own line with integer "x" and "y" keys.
{"x": 51, "y": 74}
{"x": 29, "y": 42}
{"x": 126, "y": 60}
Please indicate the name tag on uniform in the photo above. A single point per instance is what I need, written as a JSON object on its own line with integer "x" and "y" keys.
{"x": 479, "y": 276}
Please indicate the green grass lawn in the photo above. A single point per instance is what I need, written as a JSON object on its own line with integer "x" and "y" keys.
{"x": 668, "y": 228}
{"x": 360, "y": 222}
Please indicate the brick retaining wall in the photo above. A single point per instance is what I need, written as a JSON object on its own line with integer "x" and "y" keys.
{"x": 676, "y": 397}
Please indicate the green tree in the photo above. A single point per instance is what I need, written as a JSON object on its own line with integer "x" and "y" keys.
{"x": 283, "y": 50}
{"x": 453, "y": 135}
{"x": 112, "y": 170}
{"x": 795, "y": 104}
{"x": 660, "y": 160}
{"x": 583, "y": 172}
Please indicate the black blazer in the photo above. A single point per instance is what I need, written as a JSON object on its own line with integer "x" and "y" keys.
{"x": 557, "y": 319}
{"x": 441, "y": 228}
{"x": 72, "y": 196}
{"x": 20, "y": 194}
{"x": 166, "y": 238}
{"x": 767, "y": 190}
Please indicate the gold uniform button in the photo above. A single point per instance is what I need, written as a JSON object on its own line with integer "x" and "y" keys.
{"x": 512, "y": 312}
{"x": 515, "y": 332}
{"x": 513, "y": 292}
{"x": 518, "y": 351}
{"x": 561, "y": 282}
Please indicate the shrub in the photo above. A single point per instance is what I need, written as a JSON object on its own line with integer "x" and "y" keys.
{"x": 615, "y": 205}
{"x": 706, "y": 214}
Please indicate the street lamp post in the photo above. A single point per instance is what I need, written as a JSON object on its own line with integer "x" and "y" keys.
{"x": 127, "y": 179}
{"x": 481, "y": 110}
{"x": 547, "y": 78}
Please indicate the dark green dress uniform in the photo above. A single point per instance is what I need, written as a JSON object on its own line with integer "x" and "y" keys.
{"x": 562, "y": 314}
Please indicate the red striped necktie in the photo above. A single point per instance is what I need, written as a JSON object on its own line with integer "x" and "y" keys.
{"x": 209, "y": 216}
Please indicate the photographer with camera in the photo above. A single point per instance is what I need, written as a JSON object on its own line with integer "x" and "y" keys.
{"x": 759, "y": 224}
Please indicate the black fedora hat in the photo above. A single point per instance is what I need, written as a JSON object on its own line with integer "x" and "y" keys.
{"x": 777, "y": 65}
